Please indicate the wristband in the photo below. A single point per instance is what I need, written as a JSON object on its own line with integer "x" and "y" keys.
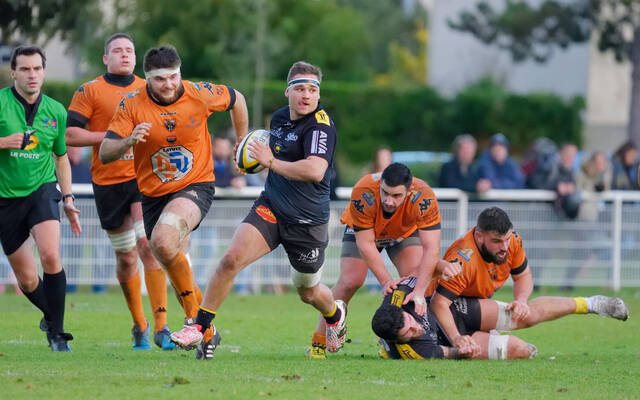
{"x": 64, "y": 197}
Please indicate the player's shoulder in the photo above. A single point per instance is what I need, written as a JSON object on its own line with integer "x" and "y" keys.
{"x": 516, "y": 241}
{"x": 204, "y": 88}
{"x": 91, "y": 85}
{"x": 367, "y": 189}
{"x": 53, "y": 104}
{"x": 280, "y": 117}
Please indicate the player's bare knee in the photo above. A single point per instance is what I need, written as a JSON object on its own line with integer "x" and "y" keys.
{"x": 231, "y": 262}
{"x": 50, "y": 260}
{"x": 165, "y": 250}
{"x": 307, "y": 295}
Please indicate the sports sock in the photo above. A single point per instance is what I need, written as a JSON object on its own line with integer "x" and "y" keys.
{"x": 182, "y": 279}
{"x": 204, "y": 318}
{"x": 156, "y": 281}
{"x": 38, "y": 299}
{"x": 582, "y": 305}
{"x": 133, "y": 296}
{"x": 319, "y": 338}
{"x": 334, "y": 316}
{"x": 55, "y": 290}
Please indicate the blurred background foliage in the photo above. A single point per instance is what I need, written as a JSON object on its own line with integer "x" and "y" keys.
{"x": 373, "y": 55}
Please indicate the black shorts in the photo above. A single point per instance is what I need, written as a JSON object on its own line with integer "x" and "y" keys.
{"x": 200, "y": 193}
{"x": 304, "y": 244}
{"x": 113, "y": 202}
{"x": 350, "y": 249}
{"x": 467, "y": 316}
{"x": 18, "y": 215}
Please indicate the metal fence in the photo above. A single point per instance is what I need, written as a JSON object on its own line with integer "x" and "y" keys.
{"x": 604, "y": 251}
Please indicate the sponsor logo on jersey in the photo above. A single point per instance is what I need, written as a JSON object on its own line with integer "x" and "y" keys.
{"x": 465, "y": 254}
{"x": 414, "y": 195}
{"x": 32, "y": 142}
{"x": 357, "y": 204}
{"x": 424, "y": 205}
{"x": 407, "y": 353}
{"x": 171, "y": 138}
{"x": 133, "y": 93}
{"x": 323, "y": 118}
{"x": 310, "y": 257}
{"x": 266, "y": 214}
{"x": 49, "y": 123}
{"x": 127, "y": 156}
{"x": 369, "y": 197}
{"x": 277, "y": 133}
{"x": 121, "y": 104}
{"x": 172, "y": 163}
{"x": 277, "y": 148}
{"x": 164, "y": 114}
{"x": 291, "y": 137}
{"x": 193, "y": 122}
{"x": 170, "y": 124}
{"x": 397, "y": 297}
{"x": 319, "y": 142}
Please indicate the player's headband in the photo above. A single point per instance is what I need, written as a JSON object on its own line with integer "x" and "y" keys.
{"x": 161, "y": 71}
{"x": 298, "y": 81}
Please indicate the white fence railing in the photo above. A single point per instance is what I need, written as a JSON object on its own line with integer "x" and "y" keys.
{"x": 604, "y": 251}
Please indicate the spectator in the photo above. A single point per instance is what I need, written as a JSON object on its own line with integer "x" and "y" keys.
{"x": 562, "y": 179}
{"x": 223, "y": 165}
{"x": 460, "y": 172}
{"x": 625, "y": 167}
{"x": 496, "y": 169}
{"x": 538, "y": 162}
{"x": 381, "y": 160}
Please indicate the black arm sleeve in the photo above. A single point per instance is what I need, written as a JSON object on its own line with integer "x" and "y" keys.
{"x": 76, "y": 120}
{"x": 521, "y": 268}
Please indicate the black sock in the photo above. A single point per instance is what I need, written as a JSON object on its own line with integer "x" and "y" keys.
{"x": 204, "y": 319}
{"x": 335, "y": 317}
{"x": 55, "y": 288}
{"x": 38, "y": 298}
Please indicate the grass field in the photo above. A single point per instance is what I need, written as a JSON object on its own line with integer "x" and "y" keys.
{"x": 264, "y": 338}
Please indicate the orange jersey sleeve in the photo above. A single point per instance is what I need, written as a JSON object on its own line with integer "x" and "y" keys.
{"x": 418, "y": 211}
{"x": 97, "y": 101}
{"x": 177, "y": 152}
{"x": 479, "y": 278}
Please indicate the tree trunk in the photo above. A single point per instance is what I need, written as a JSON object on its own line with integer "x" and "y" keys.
{"x": 634, "y": 111}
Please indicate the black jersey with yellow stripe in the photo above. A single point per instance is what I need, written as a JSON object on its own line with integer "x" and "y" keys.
{"x": 426, "y": 346}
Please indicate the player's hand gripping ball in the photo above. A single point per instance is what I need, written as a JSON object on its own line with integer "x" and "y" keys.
{"x": 244, "y": 157}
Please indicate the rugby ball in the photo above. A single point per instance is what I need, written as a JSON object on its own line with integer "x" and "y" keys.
{"x": 244, "y": 157}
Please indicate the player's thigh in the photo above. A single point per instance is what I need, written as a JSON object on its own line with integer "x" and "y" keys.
{"x": 247, "y": 245}
{"x": 24, "y": 266}
{"x": 46, "y": 234}
{"x": 353, "y": 272}
{"x": 489, "y": 314}
{"x": 407, "y": 260}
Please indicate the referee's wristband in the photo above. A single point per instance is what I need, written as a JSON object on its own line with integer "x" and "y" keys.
{"x": 64, "y": 197}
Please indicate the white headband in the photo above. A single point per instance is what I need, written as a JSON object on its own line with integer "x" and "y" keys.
{"x": 298, "y": 81}
{"x": 161, "y": 71}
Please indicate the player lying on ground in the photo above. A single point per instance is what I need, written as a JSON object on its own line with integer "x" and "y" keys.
{"x": 488, "y": 254}
{"x": 407, "y": 335}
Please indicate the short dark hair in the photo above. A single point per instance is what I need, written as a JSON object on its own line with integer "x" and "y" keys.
{"x": 26, "y": 51}
{"x": 494, "y": 219}
{"x": 119, "y": 35}
{"x": 161, "y": 57}
{"x": 397, "y": 174}
{"x": 387, "y": 321}
{"x": 304, "y": 68}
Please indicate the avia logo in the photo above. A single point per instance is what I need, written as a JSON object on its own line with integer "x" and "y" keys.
{"x": 319, "y": 142}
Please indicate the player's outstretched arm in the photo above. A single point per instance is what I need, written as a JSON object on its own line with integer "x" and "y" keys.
{"x": 80, "y": 137}
{"x": 240, "y": 117}
{"x": 365, "y": 241}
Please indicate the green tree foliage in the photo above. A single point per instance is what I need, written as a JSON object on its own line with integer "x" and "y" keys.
{"x": 39, "y": 21}
{"x": 533, "y": 32}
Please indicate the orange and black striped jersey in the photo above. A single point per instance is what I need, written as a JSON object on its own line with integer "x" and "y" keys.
{"x": 418, "y": 211}
{"x": 93, "y": 106}
{"x": 177, "y": 151}
{"x": 479, "y": 278}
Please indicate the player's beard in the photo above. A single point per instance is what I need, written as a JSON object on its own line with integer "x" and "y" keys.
{"x": 170, "y": 99}
{"x": 491, "y": 257}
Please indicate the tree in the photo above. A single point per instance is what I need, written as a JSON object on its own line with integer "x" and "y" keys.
{"x": 38, "y": 22}
{"x": 529, "y": 32}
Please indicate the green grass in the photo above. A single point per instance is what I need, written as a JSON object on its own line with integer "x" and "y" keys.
{"x": 262, "y": 356}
